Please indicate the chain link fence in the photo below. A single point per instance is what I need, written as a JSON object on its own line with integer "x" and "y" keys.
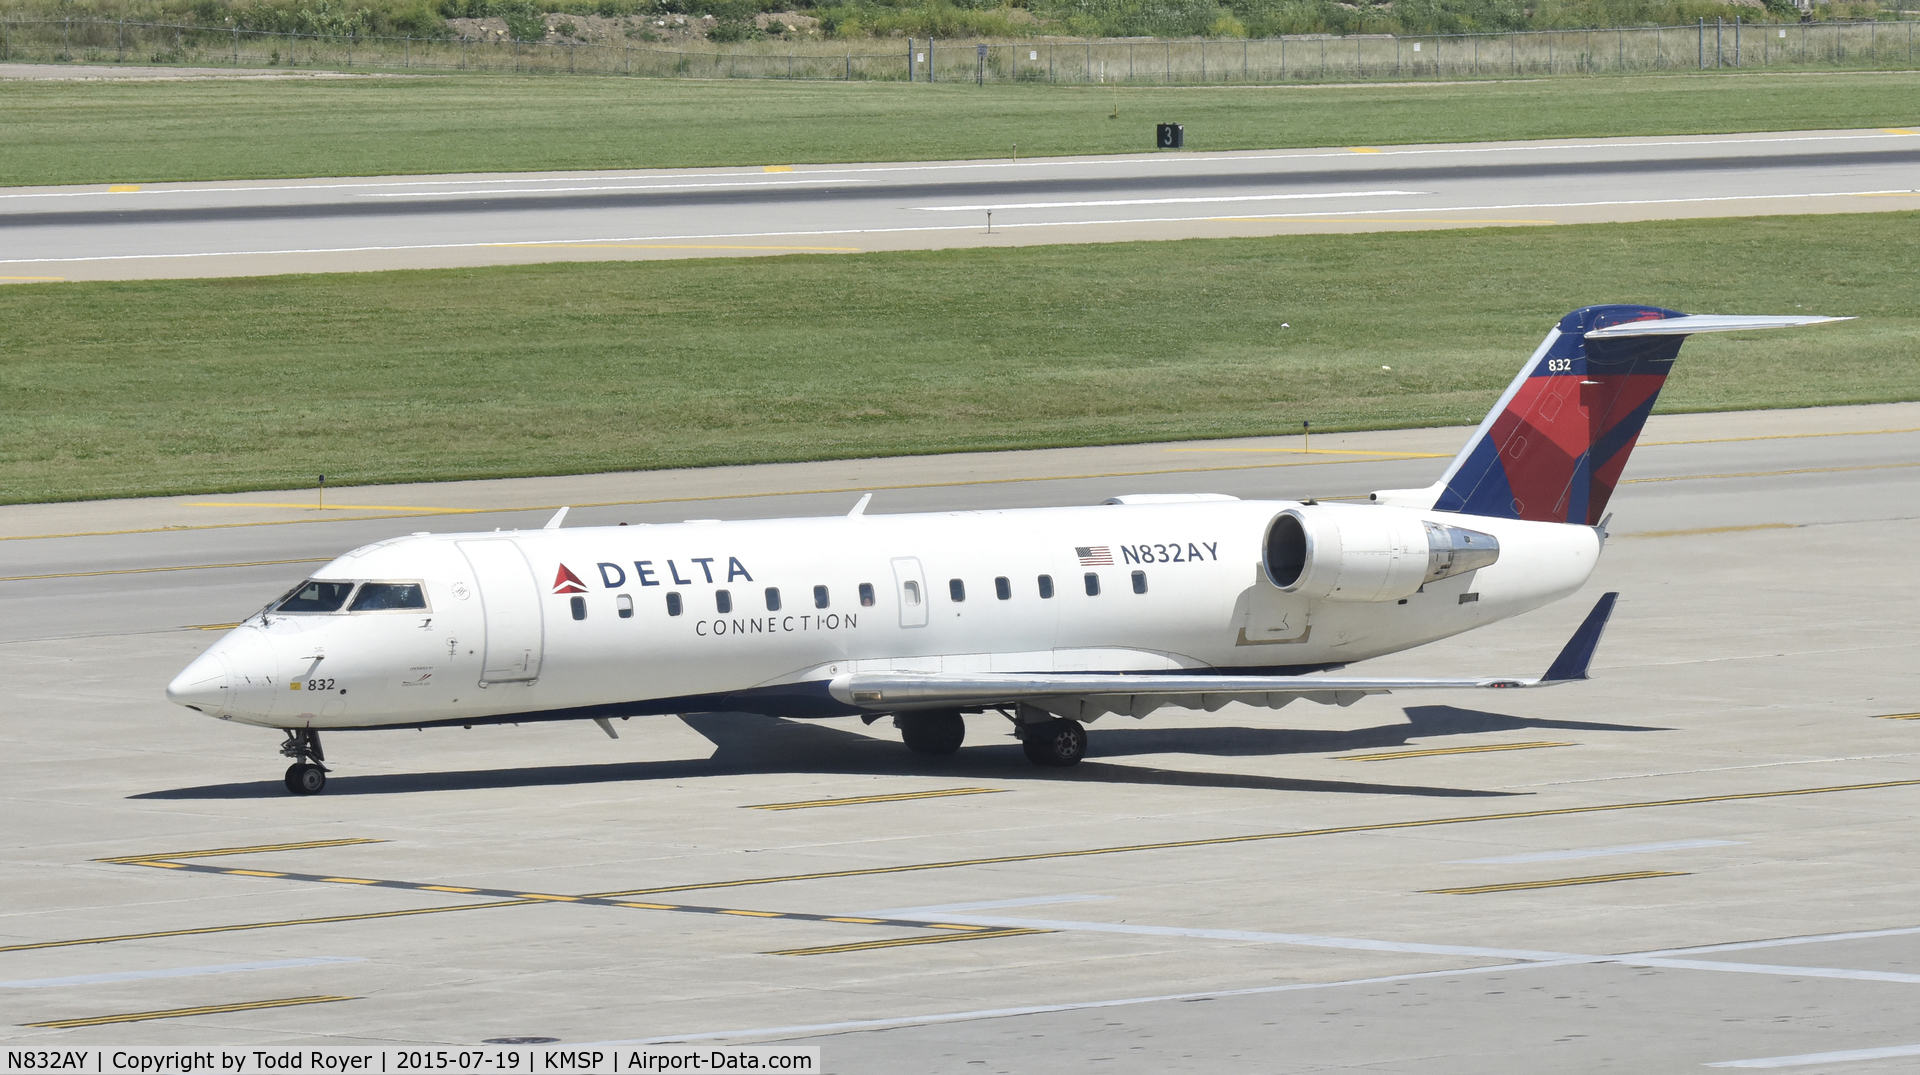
{"x": 1311, "y": 58}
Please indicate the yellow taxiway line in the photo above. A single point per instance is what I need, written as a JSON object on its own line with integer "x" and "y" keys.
{"x": 180, "y": 1013}
{"x": 1391, "y": 755}
{"x": 1558, "y": 882}
{"x": 904, "y": 942}
{"x": 904, "y": 796}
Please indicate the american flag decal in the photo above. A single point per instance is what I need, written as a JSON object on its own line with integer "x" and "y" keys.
{"x": 1094, "y": 555}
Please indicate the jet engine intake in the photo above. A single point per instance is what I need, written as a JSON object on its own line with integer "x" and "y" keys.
{"x": 1342, "y": 553}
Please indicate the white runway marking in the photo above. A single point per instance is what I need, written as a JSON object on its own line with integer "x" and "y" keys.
{"x": 1169, "y": 201}
{"x": 1655, "y": 958}
{"x": 1594, "y": 852}
{"x": 978, "y": 905}
{"x": 1043, "y": 1009}
{"x": 1784, "y": 970}
{"x": 932, "y": 228}
{"x": 174, "y": 972}
{"x": 1043, "y": 162}
{"x": 744, "y": 183}
{"x": 1809, "y": 1059}
{"x": 1308, "y": 940}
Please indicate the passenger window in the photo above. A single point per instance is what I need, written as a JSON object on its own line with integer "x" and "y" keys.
{"x": 912, "y": 589}
{"x": 866, "y": 595}
{"x": 386, "y": 596}
{"x": 723, "y": 601}
{"x": 579, "y": 608}
{"x": 315, "y": 596}
{"x": 957, "y": 590}
{"x": 773, "y": 599}
{"x": 1139, "y": 582}
{"x": 1003, "y": 588}
{"x": 1046, "y": 586}
{"x": 673, "y": 604}
{"x": 1093, "y": 584}
{"x": 819, "y": 597}
{"x": 624, "y": 604}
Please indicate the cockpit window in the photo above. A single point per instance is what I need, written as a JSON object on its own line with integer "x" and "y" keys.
{"x": 316, "y": 596}
{"x": 387, "y": 596}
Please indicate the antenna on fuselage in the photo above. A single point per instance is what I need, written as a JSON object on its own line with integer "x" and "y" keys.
{"x": 554, "y": 523}
{"x": 860, "y": 508}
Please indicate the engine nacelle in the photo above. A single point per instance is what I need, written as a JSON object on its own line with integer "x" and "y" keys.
{"x": 1341, "y": 553}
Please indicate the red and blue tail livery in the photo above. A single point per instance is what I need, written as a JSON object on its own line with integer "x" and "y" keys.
{"x": 1554, "y": 446}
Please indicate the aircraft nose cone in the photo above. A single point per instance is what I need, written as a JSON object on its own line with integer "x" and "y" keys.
{"x": 203, "y": 685}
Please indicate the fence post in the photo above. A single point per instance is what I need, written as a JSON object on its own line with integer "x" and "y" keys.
{"x": 849, "y": 65}
{"x": 909, "y": 59}
{"x": 980, "y": 65}
{"x": 1736, "y": 40}
{"x": 1703, "y": 42}
{"x": 929, "y": 59}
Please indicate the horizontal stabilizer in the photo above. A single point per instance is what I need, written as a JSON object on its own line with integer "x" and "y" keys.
{"x": 1690, "y": 324}
{"x": 1578, "y": 653}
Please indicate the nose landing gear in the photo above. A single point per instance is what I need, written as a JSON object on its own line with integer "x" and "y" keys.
{"x": 307, "y": 775}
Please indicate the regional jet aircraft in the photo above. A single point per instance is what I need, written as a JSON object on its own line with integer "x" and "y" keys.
{"x": 1049, "y": 617}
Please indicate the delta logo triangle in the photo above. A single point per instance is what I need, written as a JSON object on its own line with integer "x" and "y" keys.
{"x": 568, "y": 582}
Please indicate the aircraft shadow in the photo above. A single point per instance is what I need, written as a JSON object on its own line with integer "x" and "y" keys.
{"x": 748, "y": 743}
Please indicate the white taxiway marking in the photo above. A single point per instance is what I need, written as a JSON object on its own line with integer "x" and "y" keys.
{"x": 1594, "y": 852}
{"x": 174, "y": 972}
{"x": 534, "y": 243}
{"x": 978, "y": 905}
{"x": 1169, "y": 201}
{"x": 1809, "y": 1059}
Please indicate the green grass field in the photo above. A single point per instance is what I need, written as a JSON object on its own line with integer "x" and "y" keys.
{"x": 118, "y": 389}
{"x": 100, "y": 132}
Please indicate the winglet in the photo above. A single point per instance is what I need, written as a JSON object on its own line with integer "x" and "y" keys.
{"x": 1573, "y": 660}
{"x": 554, "y": 523}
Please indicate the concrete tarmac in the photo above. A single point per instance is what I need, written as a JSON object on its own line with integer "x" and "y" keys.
{"x": 113, "y": 232}
{"x": 1704, "y": 856}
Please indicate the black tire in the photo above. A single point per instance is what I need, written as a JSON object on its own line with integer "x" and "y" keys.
{"x": 306, "y": 778}
{"x": 1058, "y": 743}
{"x": 931, "y": 733}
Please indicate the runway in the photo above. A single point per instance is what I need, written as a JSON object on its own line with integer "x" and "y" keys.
{"x": 1702, "y": 859}
{"x": 354, "y": 224}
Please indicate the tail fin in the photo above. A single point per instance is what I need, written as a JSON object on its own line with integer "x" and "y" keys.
{"x": 1554, "y": 446}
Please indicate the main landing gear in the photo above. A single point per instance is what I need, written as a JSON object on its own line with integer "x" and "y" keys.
{"x": 306, "y": 776}
{"x": 931, "y": 733}
{"x": 1058, "y": 743}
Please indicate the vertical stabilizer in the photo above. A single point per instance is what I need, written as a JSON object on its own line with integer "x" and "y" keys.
{"x": 1554, "y": 446}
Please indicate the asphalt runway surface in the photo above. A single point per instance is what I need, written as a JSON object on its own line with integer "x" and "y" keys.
{"x": 1704, "y": 856}
{"x": 325, "y": 225}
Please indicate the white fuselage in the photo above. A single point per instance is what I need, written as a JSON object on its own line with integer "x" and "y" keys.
{"x": 501, "y": 636}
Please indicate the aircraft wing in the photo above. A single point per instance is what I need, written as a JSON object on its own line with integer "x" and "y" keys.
{"x": 1085, "y": 695}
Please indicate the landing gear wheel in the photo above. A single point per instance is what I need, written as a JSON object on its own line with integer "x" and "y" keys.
{"x": 931, "y": 733}
{"x": 306, "y": 778}
{"x": 308, "y": 773}
{"x": 1058, "y": 743}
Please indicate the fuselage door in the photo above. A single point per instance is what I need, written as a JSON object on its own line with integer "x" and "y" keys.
{"x": 910, "y": 587}
{"x": 510, "y": 599}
